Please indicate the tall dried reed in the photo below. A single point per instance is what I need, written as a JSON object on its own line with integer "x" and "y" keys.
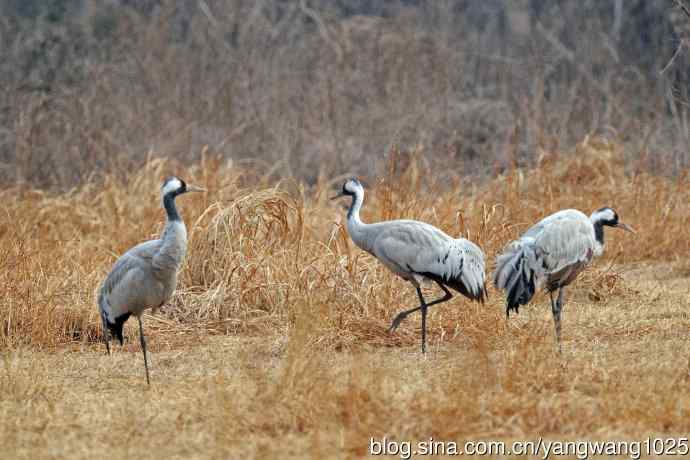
{"x": 265, "y": 255}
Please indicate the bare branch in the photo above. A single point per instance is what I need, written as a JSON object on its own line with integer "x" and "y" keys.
{"x": 673, "y": 58}
{"x": 323, "y": 29}
{"x": 682, "y": 43}
{"x": 570, "y": 56}
{"x": 683, "y": 7}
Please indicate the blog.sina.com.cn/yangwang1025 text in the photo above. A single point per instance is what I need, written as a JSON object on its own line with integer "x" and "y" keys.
{"x": 540, "y": 448}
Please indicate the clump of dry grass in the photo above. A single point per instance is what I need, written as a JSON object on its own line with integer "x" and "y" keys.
{"x": 276, "y": 341}
{"x": 260, "y": 251}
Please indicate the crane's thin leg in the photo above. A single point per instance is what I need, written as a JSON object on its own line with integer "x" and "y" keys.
{"x": 106, "y": 337}
{"x": 556, "y": 310}
{"x": 143, "y": 348}
{"x": 403, "y": 314}
{"x": 423, "y": 307}
{"x": 559, "y": 301}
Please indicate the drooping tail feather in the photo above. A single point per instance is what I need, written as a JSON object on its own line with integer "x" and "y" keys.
{"x": 478, "y": 294}
{"x": 458, "y": 284}
{"x": 116, "y": 327}
{"x": 518, "y": 272}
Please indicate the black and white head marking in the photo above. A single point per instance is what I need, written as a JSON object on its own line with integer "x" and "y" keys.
{"x": 605, "y": 216}
{"x": 351, "y": 186}
{"x": 173, "y": 185}
{"x": 600, "y": 217}
{"x": 171, "y": 188}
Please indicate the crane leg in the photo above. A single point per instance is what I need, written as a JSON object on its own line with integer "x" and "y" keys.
{"x": 106, "y": 337}
{"x": 560, "y": 299}
{"x": 403, "y": 314}
{"x": 556, "y": 310}
{"x": 143, "y": 348}
{"x": 424, "y": 307}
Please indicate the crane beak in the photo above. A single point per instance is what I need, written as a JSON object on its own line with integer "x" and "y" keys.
{"x": 193, "y": 188}
{"x": 341, "y": 194}
{"x": 625, "y": 227}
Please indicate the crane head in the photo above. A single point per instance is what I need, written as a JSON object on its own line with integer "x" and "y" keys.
{"x": 608, "y": 216}
{"x": 351, "y": 187}
{"x": 177, "y": 186}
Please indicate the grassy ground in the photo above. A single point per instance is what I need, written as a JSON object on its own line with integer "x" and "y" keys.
{"x": 275, "y": 344}
{"x": 624, "y": 374}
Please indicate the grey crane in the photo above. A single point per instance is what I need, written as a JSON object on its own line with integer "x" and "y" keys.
{"x": 417, "y": 252}
{"x": 146, "y": 275}
{"x": 550, "y": 255}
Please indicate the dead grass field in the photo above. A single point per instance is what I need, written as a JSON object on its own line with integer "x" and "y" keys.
{"x": 276, "y": 345}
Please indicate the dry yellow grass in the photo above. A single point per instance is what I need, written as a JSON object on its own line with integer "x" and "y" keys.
{"x": 275, "y": 343}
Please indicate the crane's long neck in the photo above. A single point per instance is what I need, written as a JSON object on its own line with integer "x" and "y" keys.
{"x": 174, "y": 236}
{"x": 598, "y": 237}
{"x": 355, "y": 227}
{"x": 170, "y": 207}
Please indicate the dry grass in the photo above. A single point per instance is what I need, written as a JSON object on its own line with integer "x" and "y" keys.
{"x": 275, "y": 342}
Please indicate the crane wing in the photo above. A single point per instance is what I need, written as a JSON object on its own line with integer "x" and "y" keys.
{"x": 563, "y": 215}
{"x": 551, "y": 253}
{"x": 566, "y": 241}
{"x": 129, "y": 281}
{"x": 461, "y": 266}
{"x": 414, "y": 248}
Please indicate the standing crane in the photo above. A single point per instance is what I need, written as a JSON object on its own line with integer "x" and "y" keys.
{"x": 146, "y": 275}
{"x": 550, "y": 255}
{"x": 417, "y": 252}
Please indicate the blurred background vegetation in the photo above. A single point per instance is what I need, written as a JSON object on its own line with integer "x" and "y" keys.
{"x": 315, "y": 88}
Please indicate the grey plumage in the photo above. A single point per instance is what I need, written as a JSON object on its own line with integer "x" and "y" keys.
{"x": 146, "y": 275}
{"x": 550, "y": 255}
{"x": 417, "y": 251}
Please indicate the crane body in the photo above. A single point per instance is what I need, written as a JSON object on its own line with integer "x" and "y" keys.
{"x": 550, "y": 255}
{"x": 418, "y": 252}
{"x": 145, "y": 277}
